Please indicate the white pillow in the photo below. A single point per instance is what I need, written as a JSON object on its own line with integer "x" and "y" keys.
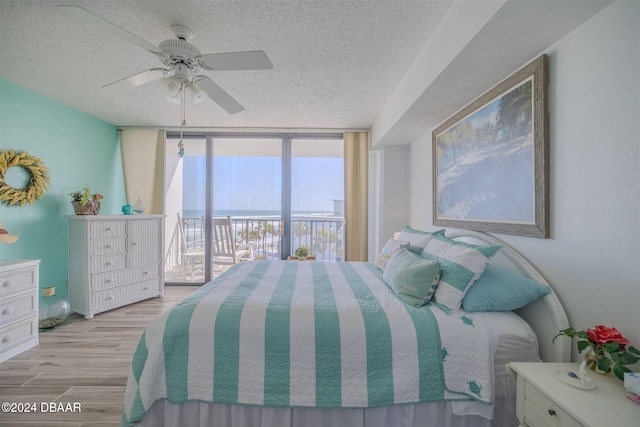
{"x": 387, "y": 251}
{"x": 460, "y": 265}
{"x": 417, "y": 239}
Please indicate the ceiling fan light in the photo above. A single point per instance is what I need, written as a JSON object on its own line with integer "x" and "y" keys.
{"x": 171, "y": 86}
{"x": 196, "y": 93}
{"x": 174, "y": 99}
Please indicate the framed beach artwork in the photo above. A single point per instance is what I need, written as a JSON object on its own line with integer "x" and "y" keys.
{"x": 490, "y": 170}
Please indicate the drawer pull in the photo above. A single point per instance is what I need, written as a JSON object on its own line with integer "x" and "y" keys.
{"x": 108, "y": 298}
{"x": 108, "y": 246}
{"x": 6, "y": 339}
{"x": 109, "y": 229}
{"x": 552, "y": 412}
{"x": 7, "y": 311}
{"x": 108, "y": 263}
{"x": 108, "y": 281}
{"x": 133, "y": 243}
{"x": 6, "y": 284}
{"x": 145, "y": 273}
{"x": 146, "y": 288}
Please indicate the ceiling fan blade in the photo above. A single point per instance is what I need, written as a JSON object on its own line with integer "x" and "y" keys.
{"x": 97, "y": 21}
{"x": 232, "y": 61}
{"x": 141, "y": 78}
{"x": 218, "y": 95}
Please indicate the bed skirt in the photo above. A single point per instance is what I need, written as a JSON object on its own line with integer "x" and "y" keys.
{"x": 441, "y": 414}
{"x": 193, "y": 414}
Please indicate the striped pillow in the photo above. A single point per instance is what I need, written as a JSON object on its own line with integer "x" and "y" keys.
{"x": 460, "y": 264}
{"x": 417, "y": 239}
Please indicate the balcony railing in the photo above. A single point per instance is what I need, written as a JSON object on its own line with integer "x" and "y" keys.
{"x": 322, "y": 235}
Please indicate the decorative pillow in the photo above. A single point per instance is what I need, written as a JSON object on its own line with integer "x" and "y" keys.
{"x": 414, "y": 279}
{"x": 417, "y": 239}
{"x": 461, "y": 263}
{"x": 502, "y": 289}
{"x": 387, "y": 251}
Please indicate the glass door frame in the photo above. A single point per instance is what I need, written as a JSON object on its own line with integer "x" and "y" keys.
{"x": 285, "y": 201}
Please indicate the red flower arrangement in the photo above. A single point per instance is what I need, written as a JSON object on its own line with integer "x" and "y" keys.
{"x": 608, "y": 346}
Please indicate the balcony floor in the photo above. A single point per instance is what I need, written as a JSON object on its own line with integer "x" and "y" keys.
{"x": 178, "y": 277}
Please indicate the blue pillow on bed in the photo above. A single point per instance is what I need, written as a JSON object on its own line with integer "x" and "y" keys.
{"x": 414, "y": 279}
{"x": 502, "y": 289}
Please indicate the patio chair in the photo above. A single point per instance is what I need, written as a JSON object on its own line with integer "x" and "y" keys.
{"x": 225, "y": 252}
{"x": 192, "y": 252}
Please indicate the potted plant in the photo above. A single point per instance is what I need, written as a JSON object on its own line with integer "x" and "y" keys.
{"x": 85, "y": 203}
{"x": 608, "y": 349}
{"x": 302, "y": 252}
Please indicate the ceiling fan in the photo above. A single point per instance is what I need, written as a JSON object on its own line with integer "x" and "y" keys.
{"x": 182, "y": 62}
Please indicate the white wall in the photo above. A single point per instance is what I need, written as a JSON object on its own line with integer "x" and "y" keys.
{"x": 593, "y": 256}
{"x": 396, "y": 180}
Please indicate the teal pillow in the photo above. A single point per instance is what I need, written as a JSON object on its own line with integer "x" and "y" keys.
{"x": 461, "y": 263}
{"x": 387, "y": 251}
{"x": 417, "y": 239}
{"x": 502, "y": 289}
{"x": 414, "y": 279}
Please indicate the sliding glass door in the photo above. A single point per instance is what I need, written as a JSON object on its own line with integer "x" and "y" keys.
{"x": 247, "y": 187}
{"x": 280, "y": 192}
{"x": 317, "y": 197}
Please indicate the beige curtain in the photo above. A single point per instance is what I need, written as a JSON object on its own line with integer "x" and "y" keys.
{"x": 143, "y": 165}
{"x": 356, "y": 175}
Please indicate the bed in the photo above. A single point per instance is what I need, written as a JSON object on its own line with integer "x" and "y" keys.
{"x": 289, "y": 343}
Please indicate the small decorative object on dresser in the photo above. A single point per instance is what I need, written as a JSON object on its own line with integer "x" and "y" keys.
{"x": 543, "y": 399}
{"x": 632, "y": 386}
{"x": 608, "y": 349}
{"x": 138, "y": 207}
{"x": 114, "y": 260}
{"x": 85, "y": 203}
{"x": 18, "y": 306}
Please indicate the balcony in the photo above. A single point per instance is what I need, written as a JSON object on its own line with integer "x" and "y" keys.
{"x": 321, "y": 234}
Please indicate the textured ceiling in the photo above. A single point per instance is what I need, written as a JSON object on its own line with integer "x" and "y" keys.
{"x": 336, "y": 63}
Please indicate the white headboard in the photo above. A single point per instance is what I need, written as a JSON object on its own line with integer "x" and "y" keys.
{"x": 546, "y": 316}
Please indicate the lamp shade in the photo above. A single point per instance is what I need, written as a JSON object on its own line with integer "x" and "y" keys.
{"x": 171, "y": 86}
{"x": 174, "y": 99}
{"x": 196, "y": 93}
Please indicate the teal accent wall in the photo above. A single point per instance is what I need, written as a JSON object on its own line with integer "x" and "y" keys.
{"x": 78, "y": 149}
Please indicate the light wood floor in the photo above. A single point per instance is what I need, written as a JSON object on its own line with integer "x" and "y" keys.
{"x": 81, "y": 361}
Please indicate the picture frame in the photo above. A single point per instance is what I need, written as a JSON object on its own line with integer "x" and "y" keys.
{"x": 490, "y": 159}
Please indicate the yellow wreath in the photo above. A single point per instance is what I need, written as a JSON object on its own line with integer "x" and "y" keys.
{"x": 38, "y": 178}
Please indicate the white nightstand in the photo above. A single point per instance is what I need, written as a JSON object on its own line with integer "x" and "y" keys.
{"x": 544, "y": 400}
{"x": 19, "y": 285}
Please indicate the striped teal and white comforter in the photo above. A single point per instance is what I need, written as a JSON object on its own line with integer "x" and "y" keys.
{"x": 307, "y": 334}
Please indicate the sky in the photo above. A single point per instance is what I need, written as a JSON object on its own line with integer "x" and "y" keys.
{"x": 254, "y": 183}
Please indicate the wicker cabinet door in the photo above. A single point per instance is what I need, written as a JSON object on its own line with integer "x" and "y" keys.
{"x": 142, "y": 245}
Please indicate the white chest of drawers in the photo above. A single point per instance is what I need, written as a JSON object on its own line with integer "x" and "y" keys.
{"x": 544, "y": 400}
{"x": 114, "y": 260}
{"x": 19, "y": 284}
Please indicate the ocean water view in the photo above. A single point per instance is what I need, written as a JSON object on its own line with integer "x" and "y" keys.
{"x": 239, "y": 213}
{"x": 320, "y": 232}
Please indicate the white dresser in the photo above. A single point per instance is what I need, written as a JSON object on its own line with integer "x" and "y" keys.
{"x": 19, "y": 284}
{"x": 544, "y": 400}
{"x": 114, "y": 260}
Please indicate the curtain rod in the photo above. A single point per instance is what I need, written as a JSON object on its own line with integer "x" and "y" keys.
{"x": 245, "y": 130}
